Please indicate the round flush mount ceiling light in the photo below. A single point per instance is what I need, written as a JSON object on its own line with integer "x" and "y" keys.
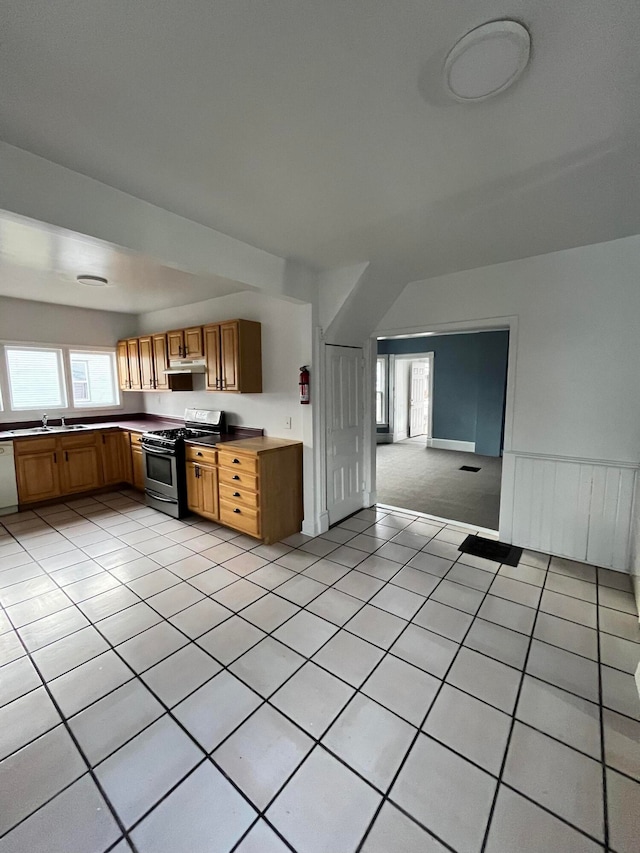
{"x": 92, "y": 280}
{"x": 487, "y": 61}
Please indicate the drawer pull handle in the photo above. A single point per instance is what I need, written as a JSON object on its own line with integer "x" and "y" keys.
{"x": 236, "y": 494}
{"x": 236, "y": 509}
{"x": 198, "y": 453}
{"x": 236, "y": 461}
{"x": 235, "y": 477}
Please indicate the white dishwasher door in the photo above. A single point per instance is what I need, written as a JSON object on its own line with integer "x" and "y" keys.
{"x": 8, "y": 487}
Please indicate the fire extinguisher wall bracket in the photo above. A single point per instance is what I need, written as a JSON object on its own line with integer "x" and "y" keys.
{"x": 303, "y": 382}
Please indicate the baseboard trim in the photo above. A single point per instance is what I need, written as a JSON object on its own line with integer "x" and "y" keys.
{"x": 384, "y": 438}
{"x": 452, "y": 444}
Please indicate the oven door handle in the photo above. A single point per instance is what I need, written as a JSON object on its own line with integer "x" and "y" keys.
{"x": 156, "y": 452}
{"x": 160, "y": 497}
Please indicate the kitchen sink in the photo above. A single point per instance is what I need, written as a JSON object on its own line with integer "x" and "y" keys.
{"x": 47, "y": 429}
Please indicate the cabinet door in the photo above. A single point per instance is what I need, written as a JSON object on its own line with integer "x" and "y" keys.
{"x": 193, "y": 347}
{"x": 125, "y": 456}
{"x": 122, "y": 357}
{"x": 112, "y": 458}
{"x": 38, "y": 476}
{"x": 212, "y": 357}
{"x": 229, "y": 356}
{"x": 160, "y": 362}
{"x": 137, "y": 462}
{"x": 175, "y": 343}
{"x": 209, "y": 491}
{"x": 80, "y": 469}
{"x": 134, "y": 364}
{"x": 147, "y": 376}
{"x": 194, "y": 494}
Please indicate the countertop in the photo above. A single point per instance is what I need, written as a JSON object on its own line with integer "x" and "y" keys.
{"x": 134, "y": 425}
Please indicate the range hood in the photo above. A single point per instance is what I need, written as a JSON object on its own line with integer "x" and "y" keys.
{"x": 186, "y": 365}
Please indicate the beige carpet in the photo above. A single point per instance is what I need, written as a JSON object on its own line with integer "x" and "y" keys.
{"x": 423, "y": 479}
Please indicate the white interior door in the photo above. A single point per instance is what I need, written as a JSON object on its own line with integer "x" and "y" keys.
{"x": 419, "y": 399}
{"x": 345, "y": 430}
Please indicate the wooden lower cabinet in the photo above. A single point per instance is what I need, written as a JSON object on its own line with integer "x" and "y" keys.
{"x": 114, "y": 450}
{"x": 48, "y": 468}
{"x": 80, "y": 468}
{"x": 51, "y": 467}
{"x": 258, "y": 490}
{"x": 37, "y": 469}
{"x": 202, "y": 489}
{"x": 137, "y": 475}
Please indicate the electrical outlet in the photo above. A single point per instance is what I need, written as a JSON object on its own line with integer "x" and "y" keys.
{"x": 287, "y": 423}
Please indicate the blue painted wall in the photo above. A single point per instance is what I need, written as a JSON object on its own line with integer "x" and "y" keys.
{"x": 469, "y": 382}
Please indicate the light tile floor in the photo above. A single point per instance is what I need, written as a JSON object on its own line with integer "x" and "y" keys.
{"x": 172, "y": 686}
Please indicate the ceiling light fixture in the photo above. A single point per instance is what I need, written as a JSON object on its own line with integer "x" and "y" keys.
{"x": 92, "y": 280}
{"x": 487, "y": 60}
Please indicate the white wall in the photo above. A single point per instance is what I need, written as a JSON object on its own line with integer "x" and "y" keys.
{"x": 634, "y": 551}
{"x": 577, "y": 347}
{"x": 286, "y": 346}
{"x": 23, "y": 321}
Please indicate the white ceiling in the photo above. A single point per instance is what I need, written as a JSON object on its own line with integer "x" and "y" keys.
{"x": 320, "y": 130}
{"x": 41, "y": 262}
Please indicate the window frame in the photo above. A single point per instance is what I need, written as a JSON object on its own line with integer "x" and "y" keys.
{"x": 384, "y": 360}
{"x": 62, "y": 384}
{"x": 115, "y": 385}
{"x": 10, "y": 413}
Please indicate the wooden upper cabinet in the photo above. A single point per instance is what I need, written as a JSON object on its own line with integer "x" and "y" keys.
{"x": 122, "y": 358}
{"x": 212, "y": 357}
{"x": 186, "y": 343}
{"x": 133, "y": 355}
{"x": 193, "y": 344}
{"x": 160, "y": 362}
{"x": 233, "y": 353}
{"x": 229, "y": 353}
{"x": 147, "y": 373}
{"x": 175, "y": 343}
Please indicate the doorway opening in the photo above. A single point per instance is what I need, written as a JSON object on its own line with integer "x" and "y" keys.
{"x": 440, "y": 411}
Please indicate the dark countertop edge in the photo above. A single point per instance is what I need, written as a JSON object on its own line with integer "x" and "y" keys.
{"x": 134, "y": 423}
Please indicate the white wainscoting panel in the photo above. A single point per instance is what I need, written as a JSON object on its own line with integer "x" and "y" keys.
{"x": 576, "y": 508}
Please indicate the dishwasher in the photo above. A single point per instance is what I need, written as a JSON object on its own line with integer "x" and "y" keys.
{"x": 8, "y": 487}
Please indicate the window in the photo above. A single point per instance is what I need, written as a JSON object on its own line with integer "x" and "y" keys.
{"x": 381, "y": 390}
{"x": 36, "y": 378}
{"x": 93, "y": 379}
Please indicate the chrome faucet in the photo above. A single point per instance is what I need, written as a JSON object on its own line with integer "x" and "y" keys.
{"x": 62, "y": 423}
{"x": 44, "y": 421}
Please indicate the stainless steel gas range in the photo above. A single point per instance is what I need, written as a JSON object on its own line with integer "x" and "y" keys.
{"x": 164, "y": 465}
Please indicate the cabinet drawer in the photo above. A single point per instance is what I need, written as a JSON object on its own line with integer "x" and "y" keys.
{"x": 136, "y": 439}
{"x": 241, "y": 517}
{"x": 68, "y": 442}
{"x": 34, "y": 445}
{"x": 233, "y": 494}
{"x": 200, "y": 454}
{"x": 238, "y": 478}
{"x": 239, "y": 462}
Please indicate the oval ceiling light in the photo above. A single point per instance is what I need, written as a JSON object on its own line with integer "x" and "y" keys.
{"x": 92, "y": 280}
{"x": 487, "y": 60}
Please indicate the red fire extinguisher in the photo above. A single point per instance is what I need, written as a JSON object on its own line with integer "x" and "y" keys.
{"x": 304, "y": 385}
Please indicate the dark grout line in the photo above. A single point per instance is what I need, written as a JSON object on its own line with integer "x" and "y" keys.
{"x": 605, "y": 804}
{"x": 512, "y": 726}
{"x": 87, "y": 763}
{"x": 338, "y": 628}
